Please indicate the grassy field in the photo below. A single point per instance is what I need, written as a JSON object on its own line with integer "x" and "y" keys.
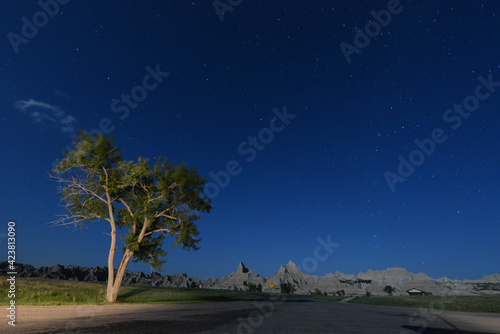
{"x": 40, "y": 291}
{"x": 450, "y": 303}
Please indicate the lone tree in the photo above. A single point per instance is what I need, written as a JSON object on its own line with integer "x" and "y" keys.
{"x": 143, "y": 203}
{"x": 287, "y": 288}
{"x": 389, "y": 289}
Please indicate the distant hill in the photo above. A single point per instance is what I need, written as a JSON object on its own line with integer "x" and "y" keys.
{"x": 373, "y": 282}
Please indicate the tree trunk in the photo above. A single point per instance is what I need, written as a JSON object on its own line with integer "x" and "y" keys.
{"x": 111, "y": 267}
{"x": 112, "y": 248}
{"x": 112, "y": 293}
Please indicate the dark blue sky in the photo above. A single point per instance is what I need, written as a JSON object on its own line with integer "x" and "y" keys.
{"x": 320, "y": 175}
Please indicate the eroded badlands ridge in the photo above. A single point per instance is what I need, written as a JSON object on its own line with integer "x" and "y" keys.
{"x": 371, "y": 281}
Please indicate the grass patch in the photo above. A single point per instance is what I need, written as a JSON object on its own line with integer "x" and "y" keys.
{"x": 449, "y": 303}
{"x": 42, "y": 291}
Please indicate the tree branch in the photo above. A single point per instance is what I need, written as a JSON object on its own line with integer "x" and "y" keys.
{"x": 75, "y": 220}
{"x": 78, "y": 185}
{"x": 143, "y": 231}
{"x": 106, "y": 180}
{"x": 154, "y": 199}
{"x": 127, "y": 206}
{"x": 168, "y": 216}
{"x": 160, "y": 214}
{"x": 161, "y": 230}
{"x": 130, "y": 212}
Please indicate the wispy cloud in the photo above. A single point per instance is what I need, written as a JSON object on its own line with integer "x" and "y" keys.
{"x": 47, "y": 114}
{"x": 60, "y": 93}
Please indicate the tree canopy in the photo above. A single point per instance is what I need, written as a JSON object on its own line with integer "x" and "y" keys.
{"x": 146, "y": 202}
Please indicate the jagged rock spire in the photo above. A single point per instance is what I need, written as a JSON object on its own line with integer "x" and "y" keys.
{"x": 292, "y": 268}
{"x": 289, "y": 269}
{"x": 242, "y": 269}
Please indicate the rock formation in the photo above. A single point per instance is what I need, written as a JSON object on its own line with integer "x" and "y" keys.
{"x": 100, "y": 274}
{"x": 373, "y": 282}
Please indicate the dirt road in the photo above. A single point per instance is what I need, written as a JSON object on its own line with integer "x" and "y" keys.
{"x": 276, "y": 316}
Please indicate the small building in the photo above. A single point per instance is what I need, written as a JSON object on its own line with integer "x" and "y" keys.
{"x": 415, "y": 292}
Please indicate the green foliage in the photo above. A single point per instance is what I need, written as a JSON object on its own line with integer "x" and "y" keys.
{"x": 254, "y": 288}
{"x": 340, "y": 292}
{"x": 367, "y": 281}
{"x": 317, "y": 292}
{"x": 147, "y": 202}
{"x": 287, "y": 288}
{"x": 389, "y": 289}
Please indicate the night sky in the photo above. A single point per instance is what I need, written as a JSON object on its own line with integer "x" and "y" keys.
{"x": 312, "y": 105}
